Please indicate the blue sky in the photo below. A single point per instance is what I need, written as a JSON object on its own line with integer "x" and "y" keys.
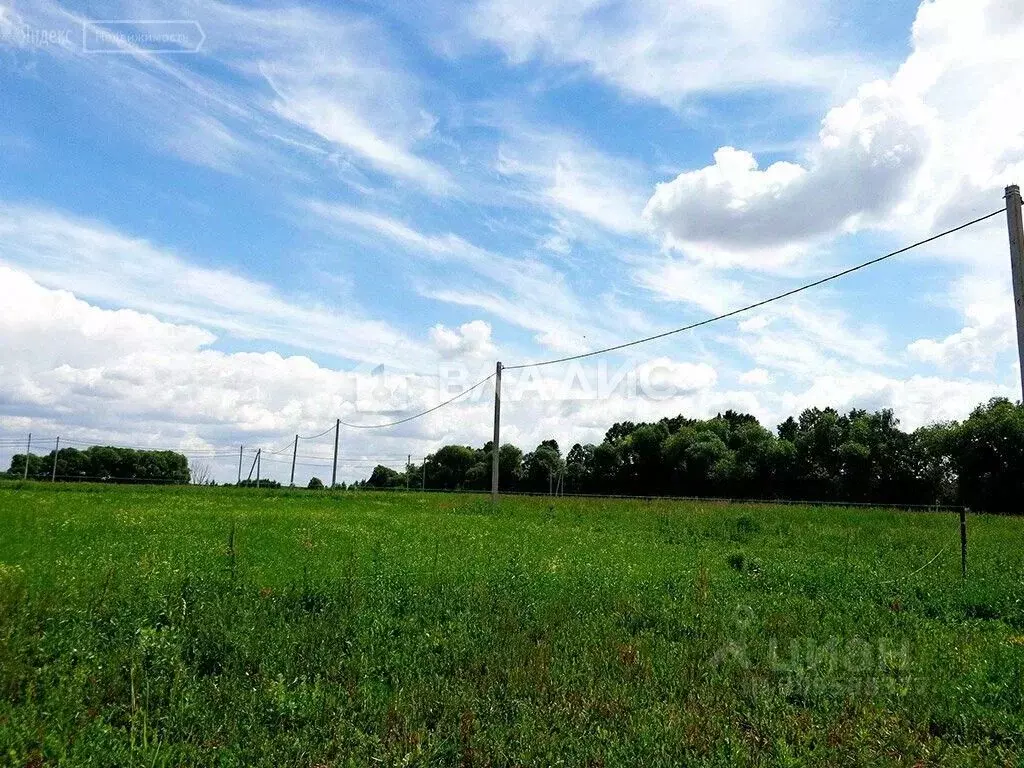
{"x": 205, "y": 248}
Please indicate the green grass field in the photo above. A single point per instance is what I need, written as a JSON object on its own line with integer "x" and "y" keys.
{"x": 192, "y": 626}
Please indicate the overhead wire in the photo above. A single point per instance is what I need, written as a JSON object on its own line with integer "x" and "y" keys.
{"x": 758, "y": 304}
{"x": 462, "y": 394}
{"x": 216, "y": 453}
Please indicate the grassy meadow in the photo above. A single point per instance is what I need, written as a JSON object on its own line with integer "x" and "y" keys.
{"x": 144, "y": 626}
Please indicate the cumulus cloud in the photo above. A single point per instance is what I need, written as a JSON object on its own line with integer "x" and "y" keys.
{"x": 669, "y": 377}
{"x": 868, "y": 152}
{"x": 469, "y": 340}
{"x": 938, "y": 139}
{"x": 123, "y": 376}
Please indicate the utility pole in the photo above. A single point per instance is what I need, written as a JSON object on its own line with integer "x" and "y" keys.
{"x": 497, "y": 436}
{"x": 28, "y": 455}
{"x": 240, "y": 464}
{"x": 334, "y": 468}
{"x": 424, "y": 486}
{"x": 1016, "y": 231}
{"x": 408, "y": 469}
{"x": 295, "y": 452}
{"x": 259, "y": 464}
{"x": 56, "y": 450}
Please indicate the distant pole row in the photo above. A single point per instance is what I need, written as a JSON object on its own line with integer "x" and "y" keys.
{"x": 254, "y": 469}
{"x": 1015, "y": 229}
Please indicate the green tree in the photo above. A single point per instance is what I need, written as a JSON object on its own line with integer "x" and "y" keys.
{"x": 988, "y": 457}
{"x": 385, "y": 477}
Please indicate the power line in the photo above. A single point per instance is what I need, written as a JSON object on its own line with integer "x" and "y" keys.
{"x": 282, "y": 449}
{"x": 314, "y": 437}
{"x": 761, "y": 303}
{"x": 463, "y": 393}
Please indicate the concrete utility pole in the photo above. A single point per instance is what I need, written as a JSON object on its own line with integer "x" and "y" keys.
{"x": 295, "y": 451}
{"x": 259, "y": 464}
{"x": 424, "y": 487}
{"x": 1015, "y": 227}
{"x": 28, "y": 455}
{"x": 497, "y": 433}
{"x": 240, "y": 464}
{"x": 334, "y": 470}
{"x": 56, "y": 450}
{"x": 408, "y": 469}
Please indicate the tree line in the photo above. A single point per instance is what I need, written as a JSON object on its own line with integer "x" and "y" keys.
{"x": 822, "y": 455}
{"x": 104, "y": 463}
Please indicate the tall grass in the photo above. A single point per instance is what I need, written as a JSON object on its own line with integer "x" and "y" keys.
{"x": 143, "y": 626}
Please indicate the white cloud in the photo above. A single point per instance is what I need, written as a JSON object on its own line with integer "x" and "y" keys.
{"x": 204, "y": 140}
{"x": 298, "y": 78}
{"x": 326, "y": 115}
{"x": 986, "y": 304}
{"x": 868, "y": 153}
{"x": 756, "y": 377}
{"x": 523, "y": 291}
{"x": 666, "y": 375}
{"x": 692, "y": 283}
{"x": 927, "y": 149}
{"x": 560, "y": 172}
{"x": 936, "y": 141}
{"x": 965, "y": 345}
{"x": 124, "y": 377}
{"x": 333, "y": 74}
{"x": 668, "y": 51}
{"x": 755, "y": 323}
{"x": 102, "y": 264}
{"x": 808, "y": 339}
{"x": 917, "y": 400}
{"x": 469, "y": 340}
{"x": 121, "y": 376}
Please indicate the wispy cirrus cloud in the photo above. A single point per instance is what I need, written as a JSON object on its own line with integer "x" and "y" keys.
{"x": 564, "y": 175}
{"x": 268, "y": 81}
{"x": 523, "y": 291}
{"x": 669, "y": 51}
{"x": 100, "y": 263}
